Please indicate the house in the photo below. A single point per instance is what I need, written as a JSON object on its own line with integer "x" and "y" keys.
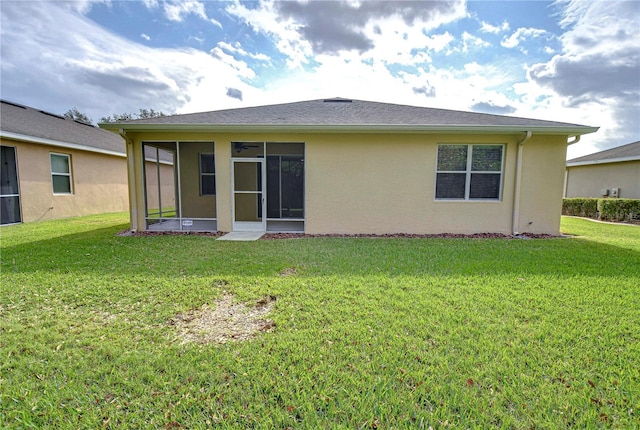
{"x": 614, "y": 173}
{"x": 53, "y": 167}
{"x": 342, "y": 166}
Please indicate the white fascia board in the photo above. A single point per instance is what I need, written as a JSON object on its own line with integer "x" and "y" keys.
{"x": 382, "y": 128}
{"x": 59, "y": 144}
{"x": 605, "y": 161}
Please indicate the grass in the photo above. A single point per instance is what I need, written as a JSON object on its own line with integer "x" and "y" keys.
{"x": 370, "y": 333}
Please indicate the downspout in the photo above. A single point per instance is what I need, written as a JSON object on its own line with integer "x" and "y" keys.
{"x": 576, "y": 139}
{"x": 516, "y": 192}
{"x": 133, "y": 200}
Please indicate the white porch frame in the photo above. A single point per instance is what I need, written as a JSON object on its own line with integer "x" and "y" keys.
{"x": 261, "y": 225}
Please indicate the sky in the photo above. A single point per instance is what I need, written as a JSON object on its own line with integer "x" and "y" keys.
{"x": 568, "y": 61}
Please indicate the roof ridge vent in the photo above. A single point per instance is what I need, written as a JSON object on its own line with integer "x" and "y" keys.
{"x": 51, "y": 114}
{"x": 83, "y": 123}
{"x": 337, "y": 100}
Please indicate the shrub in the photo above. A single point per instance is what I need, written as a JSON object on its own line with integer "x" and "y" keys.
{"x": 583, "y": 207}
{"x": 618, "y": 209}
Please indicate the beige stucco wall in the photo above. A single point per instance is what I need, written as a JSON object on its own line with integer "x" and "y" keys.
{"x": 385, "y": 183}
{"x": 589, "y": 180}
{"x": 99, "y": 183}
{"x": 543, "y": 162}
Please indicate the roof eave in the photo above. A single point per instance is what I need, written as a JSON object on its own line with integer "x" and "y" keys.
{"x": 57, "y": 143}
{"x": 602, "y": 161}
{"x": 382, "y": 128}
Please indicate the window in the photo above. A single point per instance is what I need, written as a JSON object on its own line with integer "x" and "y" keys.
{"x": 207, "y": 175}
{"x": 469, "y": 172}
{"x": 61, "y": 174}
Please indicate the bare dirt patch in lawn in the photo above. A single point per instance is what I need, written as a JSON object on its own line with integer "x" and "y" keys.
{"x": 289, "y": 271}
{"x": 223, "y": 322}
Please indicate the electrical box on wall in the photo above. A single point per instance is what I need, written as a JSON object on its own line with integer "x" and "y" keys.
{"x": 604, "y": 192}
{"x": 615, "y": 192}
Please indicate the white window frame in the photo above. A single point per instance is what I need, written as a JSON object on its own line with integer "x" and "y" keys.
{"x": 468, "y": 172}
{"x": 215, "y": 191}
{"x": 69, "y": 174}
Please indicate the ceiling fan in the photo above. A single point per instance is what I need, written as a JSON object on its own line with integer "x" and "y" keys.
{"x": 239, "y": 146}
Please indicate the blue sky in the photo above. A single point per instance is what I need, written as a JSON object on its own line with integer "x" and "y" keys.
{"x": 572, "y": 61}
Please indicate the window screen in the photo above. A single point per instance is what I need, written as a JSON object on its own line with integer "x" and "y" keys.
{"x": 469, "y": 172}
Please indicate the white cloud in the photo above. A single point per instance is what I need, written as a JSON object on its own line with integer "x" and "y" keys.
{"x": 150, "y": 3}
{"x": 470, "y": 41}
{"x": 595, "y": 78}
{"x": 101, "y": 73}
{"x": 266, "y": 20}
{"x": 488, "y": 28}
{"x": 237, "y": 48}
{"x": 304, "y": 30}
{"x": 83, "y": 6}
{"x": 240, "y": 67}
{"x": 521, "y": 35}
{"x": 176, "y": 11}
{"x": 405, "y": 59}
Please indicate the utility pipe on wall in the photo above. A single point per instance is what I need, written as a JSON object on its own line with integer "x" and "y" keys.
{"x": 516, "y": 191}
{"x": 576, "y": 139}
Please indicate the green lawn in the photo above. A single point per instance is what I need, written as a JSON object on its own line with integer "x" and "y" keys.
{"x": 369, "y": 333}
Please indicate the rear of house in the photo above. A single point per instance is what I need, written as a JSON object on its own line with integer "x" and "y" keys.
{"x": 54, "y": 167}
{"x": 611, "y": 173}
{"x": 341, "y": 166}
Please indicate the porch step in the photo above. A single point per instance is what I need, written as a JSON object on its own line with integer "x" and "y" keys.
{"x": 242, "y": 236}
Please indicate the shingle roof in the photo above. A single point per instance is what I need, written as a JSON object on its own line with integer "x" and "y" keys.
{"x": 630, "y": 151}
{"x": 29, "y": 124}
{"x": 346, "y": 114}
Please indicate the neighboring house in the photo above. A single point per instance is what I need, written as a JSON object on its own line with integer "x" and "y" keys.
{"x": 54, "y": 167}
{"x": 353, "y": 167}
{"x": 614, "y": 173}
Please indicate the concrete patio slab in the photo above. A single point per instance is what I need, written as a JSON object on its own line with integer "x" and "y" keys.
{"x": 245, "y": 236}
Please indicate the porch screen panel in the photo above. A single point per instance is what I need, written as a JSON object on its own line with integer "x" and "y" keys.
{"x": 273, "y": 187}
{"x": 159, "y": 181}
{"x": 292, "y": 183}
{"x": 9, "y": 192}
{"x": 285, "y": 186}
{"x": 247, "y": 207}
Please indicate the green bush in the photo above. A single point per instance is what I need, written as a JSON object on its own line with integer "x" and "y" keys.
{"x": 604, "y": 209}
{"x": 618, "y": 209}
{"x": 583, "y": 207}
